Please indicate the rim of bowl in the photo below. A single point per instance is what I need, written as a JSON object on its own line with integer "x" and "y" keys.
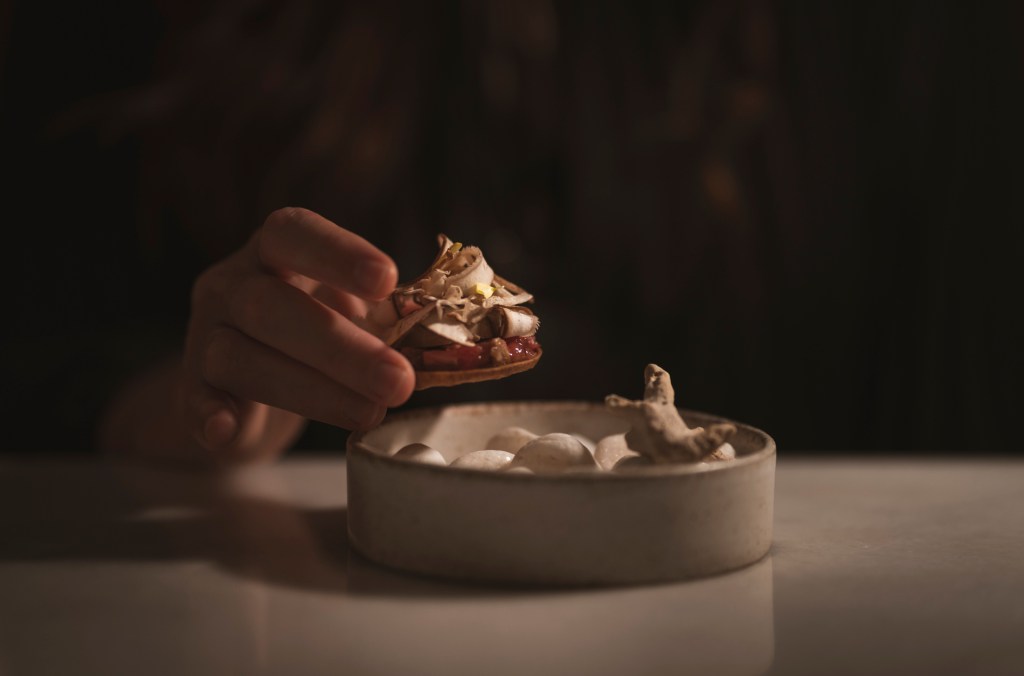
{"x": 357, "y": 444}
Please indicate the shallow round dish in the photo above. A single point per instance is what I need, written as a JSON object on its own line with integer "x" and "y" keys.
{"x": 639, "y": 525}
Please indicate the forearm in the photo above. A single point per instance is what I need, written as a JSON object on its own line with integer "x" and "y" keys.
{"x": 143, "y": 419}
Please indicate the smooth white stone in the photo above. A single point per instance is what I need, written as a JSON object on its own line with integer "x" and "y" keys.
{"x": 633, "y": 462}
{"x": 511, "y": 439}
{"x": 421, "y": 453}
{"x": 554, "y": 453}
{"x": 518, "y": 470}
{"x": 611, "y": 449}
{"x": 586, "y": 441}
{"x": 724, "y": 452}
{"x": 485, "y": 460}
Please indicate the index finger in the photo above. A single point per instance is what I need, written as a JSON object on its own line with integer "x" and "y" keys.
{"x": 301, "y": 241}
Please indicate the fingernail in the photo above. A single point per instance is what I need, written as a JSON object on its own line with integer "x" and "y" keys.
{"x": 373, "y": 277}
{"x": 363, "y": 412}
{"x": 220, "y": 429}
{"x": 385, "y": 380}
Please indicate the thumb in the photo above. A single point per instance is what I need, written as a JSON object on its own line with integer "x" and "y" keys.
{"x": 212, "y": 416}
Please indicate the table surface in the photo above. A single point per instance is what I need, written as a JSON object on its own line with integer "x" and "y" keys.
{"x": 878, "y": 566}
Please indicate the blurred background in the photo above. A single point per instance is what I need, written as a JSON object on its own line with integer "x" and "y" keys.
{"x": 811, "y": 216}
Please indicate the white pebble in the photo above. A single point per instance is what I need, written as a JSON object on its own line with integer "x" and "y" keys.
{"x": 554, "y": 453}
{"x": 421, "y": 453}
{"x": 611, "y": 449}
{"x": 485, "y": 460}
{"x": 518, "y": 470}
{"x": 586, "y": 441}
{"x": 511, "y": 439}
{"x": 724, "y": 452}
{"x": 633, "y": 462}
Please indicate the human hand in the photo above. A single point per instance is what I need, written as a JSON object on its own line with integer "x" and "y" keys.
{"x": 271, "y": 339}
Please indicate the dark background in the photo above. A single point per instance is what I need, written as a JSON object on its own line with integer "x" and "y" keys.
{"x": 811, "y": 216}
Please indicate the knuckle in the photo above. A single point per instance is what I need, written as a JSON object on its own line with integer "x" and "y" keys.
{"x": 284, "y": 216}
{"x": 207, "y": 284}
{"x": 277, "y": 220}
{"x": 276, "y": 228}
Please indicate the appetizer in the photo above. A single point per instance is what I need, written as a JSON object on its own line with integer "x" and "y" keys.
{"x": 459, "y": 322}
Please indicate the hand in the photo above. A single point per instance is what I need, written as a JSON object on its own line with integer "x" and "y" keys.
{"x": 271, "y": 340}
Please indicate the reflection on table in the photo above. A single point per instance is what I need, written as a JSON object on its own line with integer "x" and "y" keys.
{"x": 892, "y": 567}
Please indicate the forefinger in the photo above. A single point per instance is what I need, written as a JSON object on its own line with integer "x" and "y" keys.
{"x": 301, "y": 241}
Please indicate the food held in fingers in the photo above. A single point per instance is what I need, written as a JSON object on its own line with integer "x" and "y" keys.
{"x": 459, "y": 322}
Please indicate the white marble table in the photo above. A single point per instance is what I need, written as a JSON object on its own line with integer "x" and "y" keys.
{"x": 878, "y": 567}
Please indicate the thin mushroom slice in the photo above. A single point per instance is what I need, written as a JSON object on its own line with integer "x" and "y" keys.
{"x": 397, "y": 331}
{"x": 516, "y": 322}
{"x": 477, "y": 272}
{"x": 451, "y": 329}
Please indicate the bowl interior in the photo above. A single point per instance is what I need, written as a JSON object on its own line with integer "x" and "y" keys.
{"x": 460, "y": 429}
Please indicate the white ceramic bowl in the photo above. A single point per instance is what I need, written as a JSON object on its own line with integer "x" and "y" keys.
{"x": 646, "y": 524}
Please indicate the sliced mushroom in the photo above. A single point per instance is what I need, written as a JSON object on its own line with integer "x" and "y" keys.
{"x": 476, "y": 270}
{"x": 452, "y": 329}
{"x": 516, "y": 322}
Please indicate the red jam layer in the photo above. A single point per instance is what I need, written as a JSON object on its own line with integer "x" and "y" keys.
{"x": 479, "y": 356}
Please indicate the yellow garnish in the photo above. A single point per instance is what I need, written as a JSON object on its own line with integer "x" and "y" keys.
{"x": 485, "y": 290}
{"x": 455, "y": 248}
